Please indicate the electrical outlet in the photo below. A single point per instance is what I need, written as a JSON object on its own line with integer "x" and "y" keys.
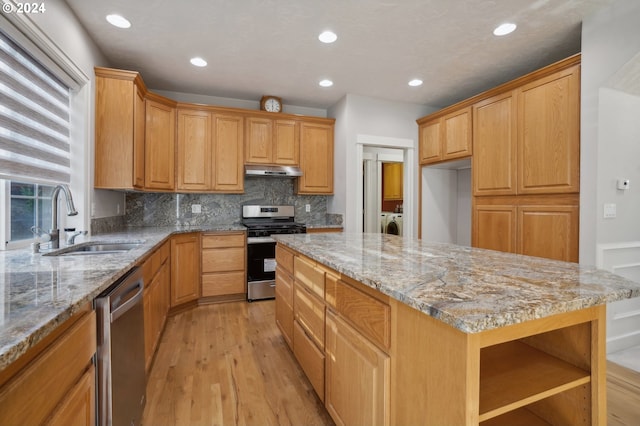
{"x": 307, "y": 208}
{"x": 196, "y": 208}
{"x": 609, "y": 211}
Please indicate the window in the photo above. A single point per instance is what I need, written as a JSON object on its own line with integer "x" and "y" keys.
{"x": 35, "y": 151}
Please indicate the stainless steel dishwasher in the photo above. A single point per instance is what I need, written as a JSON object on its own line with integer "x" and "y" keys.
{"x": 121, "y": 375}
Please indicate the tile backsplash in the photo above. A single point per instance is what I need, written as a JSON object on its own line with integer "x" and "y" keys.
{"x": 170, "y": 209}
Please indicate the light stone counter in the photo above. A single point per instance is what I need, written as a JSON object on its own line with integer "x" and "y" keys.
{"x": 470, "y": 289}
{"x": 38, "y": 293}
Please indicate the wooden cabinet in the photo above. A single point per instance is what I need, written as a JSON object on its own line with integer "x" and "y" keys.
{"x": 549, "y": 134}
{"x": 495, "y": 146}
{"x": 316, "y": 158}
{"x": 119, "y": 129}
{"x": 269, "y": 141}
{"x": 392, "y": 181}
{"x": 536, "y": 226}
{"x": 194, "y": 146}
{"x": 224, "y": 265}
{"x": 357, "y": 377}
{"x": 284, "y": 293}
{"x": 160, "y": 144}
{"x": 185, "y": 268}
{"x": 228, "y": 153}
{"x": 445, "y": 138}
{"x": 56, "y": 383}
{"x": 156, "y": 299}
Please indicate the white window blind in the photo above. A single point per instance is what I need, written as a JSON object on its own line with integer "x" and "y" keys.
{"x": 34, "y": 119}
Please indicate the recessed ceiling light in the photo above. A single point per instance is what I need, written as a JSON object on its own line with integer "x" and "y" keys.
{"x": 415, "y": 82}
{"x": 326, "y": 83}
{"x": 327, "y": 37}
{"x": 198, "y": 62}
{"x": 504, "y": 29}
{"x": 118, "y": 21}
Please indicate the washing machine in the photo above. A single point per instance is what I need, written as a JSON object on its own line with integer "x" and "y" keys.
{"x": 394, "y": 224}
{"x": 383, "y": 222}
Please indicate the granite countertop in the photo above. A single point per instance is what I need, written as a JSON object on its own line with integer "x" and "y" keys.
{"x": 468, "y": 288}
{"x": 38, "y": 293}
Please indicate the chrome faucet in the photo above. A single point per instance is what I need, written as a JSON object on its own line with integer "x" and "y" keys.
{"x": 54, "y": 232}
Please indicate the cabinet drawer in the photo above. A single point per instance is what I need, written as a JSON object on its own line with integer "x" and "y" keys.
{"x": 223, "y": 260}
{"x": 33, "y": 394}
{"x": 223, "y": 283}
{"x": 284, "y": 285}
{"x": 306, "y": 273}
{"x": 309, "y": 312}
{"x": 371, "y": 316}
{"x": 222, "y": 240}
{"x": 284, "y": 318}
{"x": 310, "y": 359}
{"x": 284, "y": 258}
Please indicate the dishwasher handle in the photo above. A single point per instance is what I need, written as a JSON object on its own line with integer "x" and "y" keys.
{"x": 120, "y": 304}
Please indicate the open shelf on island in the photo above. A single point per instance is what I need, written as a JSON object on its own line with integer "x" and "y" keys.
{"x": 514, "y": 374}
{"x": 519, "y": 417}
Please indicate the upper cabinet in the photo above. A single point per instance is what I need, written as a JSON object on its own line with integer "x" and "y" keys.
{"x": 446, "y": 137}
{"x": 160, "y": 135}
{"x": 549, "y": 134}
{"x": 392, "y": 181}
{"x": 119, "y": 138}
{"x": 269, "y": 141}
{"x": 316, "y": 158}
{"x": 145, "y": 141}
{"x": 228, "y": 171}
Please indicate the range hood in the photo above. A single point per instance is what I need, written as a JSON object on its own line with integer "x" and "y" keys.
{"x": 272, "y": 171}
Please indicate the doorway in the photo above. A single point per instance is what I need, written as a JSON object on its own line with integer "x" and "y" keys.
{"x": 383, "y": 190}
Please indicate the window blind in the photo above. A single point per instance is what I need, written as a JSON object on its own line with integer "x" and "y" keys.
{"x": 34, "y": 119}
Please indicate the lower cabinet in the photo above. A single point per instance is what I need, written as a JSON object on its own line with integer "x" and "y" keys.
{"x": 223, "y": 265}
{"x": 157, "y": 295}
{"x": 284, "y": 304}
{"x": 185, "y": 268}
{"x": 57, "y": 383}
{"x": 357, "y": 376}
{"x": 310, "y": 358}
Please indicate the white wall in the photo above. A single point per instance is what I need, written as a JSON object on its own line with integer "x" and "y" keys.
{"x": 610, "y": 39}
{"x": 360, "y": 115}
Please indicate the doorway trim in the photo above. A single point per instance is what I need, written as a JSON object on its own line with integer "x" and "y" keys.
{"x": 409, "y": 178}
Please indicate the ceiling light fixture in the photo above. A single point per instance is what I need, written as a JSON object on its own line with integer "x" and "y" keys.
{"x": 327, "y": 37}
{"x": 504, "y": 29}
{"x": 198, "y": 62}
{"x": 118, "y": 21}
{"x": 415, "y": 82}
{"x": 326, "y": 83}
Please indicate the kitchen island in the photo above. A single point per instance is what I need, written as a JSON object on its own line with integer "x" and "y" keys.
{"x": 399, "y": 331}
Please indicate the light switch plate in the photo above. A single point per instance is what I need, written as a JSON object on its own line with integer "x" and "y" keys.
{"x": 307, "y": 208}
{"x": 609, "y": 211}
{"x": 196, "y": 208}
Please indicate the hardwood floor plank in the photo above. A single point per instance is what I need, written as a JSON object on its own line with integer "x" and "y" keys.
{"x": 227, "y": 364}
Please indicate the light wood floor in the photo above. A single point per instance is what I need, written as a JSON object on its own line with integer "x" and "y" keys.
{"x": 623, "y": 396}
{"x": 227, "y": 364}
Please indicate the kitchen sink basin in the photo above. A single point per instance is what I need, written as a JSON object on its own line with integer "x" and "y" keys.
{"x": 96, "y": 248}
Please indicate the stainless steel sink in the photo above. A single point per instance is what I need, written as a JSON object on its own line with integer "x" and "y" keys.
{"x": 96, "y": 248}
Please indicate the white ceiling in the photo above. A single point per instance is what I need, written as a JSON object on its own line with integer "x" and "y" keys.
{"x": 257, "y": 47}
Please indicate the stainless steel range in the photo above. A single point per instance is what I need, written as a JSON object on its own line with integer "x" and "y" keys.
{"x": 261, "y": 223}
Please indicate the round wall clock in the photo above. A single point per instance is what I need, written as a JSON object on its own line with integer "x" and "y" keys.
{"x": 271, "y": 103}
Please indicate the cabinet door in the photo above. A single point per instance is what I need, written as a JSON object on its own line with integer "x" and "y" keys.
{"x": 259, "y": 144}
{"x": 79, "y": 405}
{"x": 286, "y": 143}
{"x": 456, "y": 134}
{"x": 494, "y": 146}
{"x": 494, "y": 228}
{"x": 228, "y": 156}
{"x": 194, "y": 150}
{"x": 548, "y": 231}
{"x": 159, "y": 146}
{"x": 185, "y": 268}
{"x": 316, "y": 159}
{"x": 392, "y": 181}
{"x": 138, "y": 139}
{"x": 430, "y": 146}
{"x": 114, "y": 137}
{"x": 549, "y": 134}
{"x": 357, "y": 377}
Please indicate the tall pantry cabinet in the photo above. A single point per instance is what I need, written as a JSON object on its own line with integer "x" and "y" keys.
{"x": 525, "y": 163}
